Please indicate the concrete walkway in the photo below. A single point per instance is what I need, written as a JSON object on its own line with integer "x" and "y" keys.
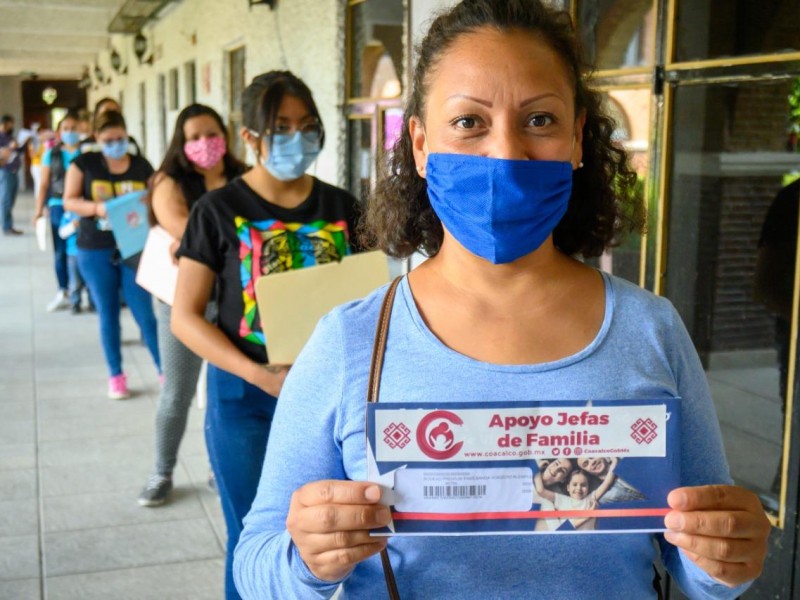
{"x": 72, "y": 462}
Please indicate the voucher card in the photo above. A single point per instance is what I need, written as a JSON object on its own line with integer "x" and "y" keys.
{"x": 524, "y": 467}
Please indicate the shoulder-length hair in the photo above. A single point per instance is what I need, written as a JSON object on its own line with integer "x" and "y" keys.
{"x": 604, "y": 204}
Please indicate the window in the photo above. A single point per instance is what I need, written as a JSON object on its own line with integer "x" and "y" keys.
{"x": 174, "y": 100}
{"x": 190, "y": 82}
{"x": 236, "y": 85}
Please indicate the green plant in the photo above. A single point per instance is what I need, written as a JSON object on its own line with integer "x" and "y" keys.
{"x": 794, "y": 107}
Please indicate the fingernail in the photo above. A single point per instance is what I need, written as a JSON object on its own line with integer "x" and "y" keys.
{"x": 678, "y": 500}
{"x": 383, "y": 516}
{"x": 674, "y": 521}
{"x": 372, "y": 493}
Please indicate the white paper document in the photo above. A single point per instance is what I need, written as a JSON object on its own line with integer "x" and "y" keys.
{"x": 157, "y": 273}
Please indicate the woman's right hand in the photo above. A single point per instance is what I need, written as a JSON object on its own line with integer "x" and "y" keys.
{"x": 39, "y": 213}
{"x": 330, "y": 521}
{"x": 270, "y": 378}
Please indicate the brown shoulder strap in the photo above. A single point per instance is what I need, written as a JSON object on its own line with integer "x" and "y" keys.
{"x": 373, "y": 394}
{"x": 379, "y": 347}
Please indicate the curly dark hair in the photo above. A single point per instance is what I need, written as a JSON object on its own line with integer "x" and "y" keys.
{"x": 604, "y": 204}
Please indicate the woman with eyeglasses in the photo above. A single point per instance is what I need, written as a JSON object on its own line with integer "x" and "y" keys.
{"x": 274, "y": 218}
{"x": 92, "y": 179}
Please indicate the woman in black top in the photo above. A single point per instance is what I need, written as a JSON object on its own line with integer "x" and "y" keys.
{"x": 274, "y": 218}
{"x": 92, "y": 179}
{"x": 196, "y": 161}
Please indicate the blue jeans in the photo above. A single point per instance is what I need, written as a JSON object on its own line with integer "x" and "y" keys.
{"x": 76, "y": 283}
{"x": 59, "y": 247}
{"x": 238, "y": 418}
{"x": 8, "y": 196}
{"x": 105, "y": 274}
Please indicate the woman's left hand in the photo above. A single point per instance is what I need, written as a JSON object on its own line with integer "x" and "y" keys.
{"x": 721, "y": 528}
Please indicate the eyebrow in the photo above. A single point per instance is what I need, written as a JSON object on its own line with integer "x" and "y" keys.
{"x": 522, "y": 104}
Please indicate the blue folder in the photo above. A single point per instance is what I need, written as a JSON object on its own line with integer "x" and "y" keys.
{"x": 127, "y": 216}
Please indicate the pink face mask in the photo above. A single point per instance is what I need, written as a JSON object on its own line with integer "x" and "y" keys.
{"x": 205, "y": 152}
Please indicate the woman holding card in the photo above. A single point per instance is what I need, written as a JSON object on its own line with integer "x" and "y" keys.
{"x": 505, "y": 172}
{"x": 92, "y": 179}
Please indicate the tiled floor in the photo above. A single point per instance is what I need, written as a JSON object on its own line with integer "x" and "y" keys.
{"x": 72, "y": 461}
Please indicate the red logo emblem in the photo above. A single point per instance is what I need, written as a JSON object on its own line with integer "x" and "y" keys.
{"x": 644, "y": 431}
{"x": 396, "y": 435}
{"x": 435, "y": 436}
{"x": 133, "y": 219}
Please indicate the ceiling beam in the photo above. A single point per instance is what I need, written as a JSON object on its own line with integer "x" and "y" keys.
{"x": 56, "y": 42}
{"x": 96, "y": 6}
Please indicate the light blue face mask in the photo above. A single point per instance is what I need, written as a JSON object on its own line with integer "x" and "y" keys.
{"x": 290, "y": 155}
{"x": 115, "y": 150}
{"x": 498, "y": 209}
{"x": 70, "y": 138}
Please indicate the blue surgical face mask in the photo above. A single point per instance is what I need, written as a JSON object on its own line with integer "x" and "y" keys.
{"x": 498, "y": 209}
{"x": 290, "y": 155}
{"x": 70, "y": 138}
{"x": 115, "y": 150}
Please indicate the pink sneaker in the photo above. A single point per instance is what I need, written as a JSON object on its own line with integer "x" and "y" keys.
{"x": 118, "y": 387}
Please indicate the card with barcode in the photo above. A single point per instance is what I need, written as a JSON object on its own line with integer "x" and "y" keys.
{"x": 524, "y": 467}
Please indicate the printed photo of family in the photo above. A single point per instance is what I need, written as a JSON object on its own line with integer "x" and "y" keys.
{"x": 584, "y": 483}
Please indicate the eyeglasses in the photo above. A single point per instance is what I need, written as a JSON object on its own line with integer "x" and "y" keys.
{"x": 312, "y": 130}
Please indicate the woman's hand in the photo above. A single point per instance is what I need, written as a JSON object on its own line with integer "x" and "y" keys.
{"x": 173, "y": 249}
{"x": 100, "y": 210}
{"x": 721, "y": 528}
{"x": 270, "y": 378}
{"x": 37, "y": 214}
{"x": 329, "y": 522}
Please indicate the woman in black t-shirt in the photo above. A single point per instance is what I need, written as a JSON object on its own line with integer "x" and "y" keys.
{"x": 92, "y": 179}
{"x": 196, "y": 161}
{"x": 274, "y": 218}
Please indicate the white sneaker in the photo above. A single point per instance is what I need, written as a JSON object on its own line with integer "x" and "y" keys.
{"x": 60, "y": 302}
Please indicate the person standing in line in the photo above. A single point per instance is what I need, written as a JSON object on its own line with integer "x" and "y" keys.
{"x": 273, "y": 218}
{"x": 506, "y": 174}
{"x": 54, "y": 165}
{"x": 90, "y": 142}
{"x": 92, "y": 179}
{"x": 198, "y": 160}
{"x": 68, "y": 231}
{"x": 35, "y": 149}
{"x": 84, "y": 125}
{"x": 10, "y": 160}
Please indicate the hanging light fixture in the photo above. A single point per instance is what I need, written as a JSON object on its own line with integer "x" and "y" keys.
{"x": 99, "y": 76}
{"x": 85, "y": 80}
{"x": 140, "y": 48}
{"x": 49, "y": 94}
{"x": 270, "y": 3}
{"x": 116, "y": 62}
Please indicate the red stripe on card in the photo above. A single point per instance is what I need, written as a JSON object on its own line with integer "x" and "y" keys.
{"x": 532, "y": 514}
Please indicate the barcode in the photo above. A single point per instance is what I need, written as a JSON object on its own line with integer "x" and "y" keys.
{"x": 454, "y": 491}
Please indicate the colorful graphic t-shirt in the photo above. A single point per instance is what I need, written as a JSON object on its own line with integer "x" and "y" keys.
{"x": 99, "y": 185}
{"x": 241, "y": 236}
